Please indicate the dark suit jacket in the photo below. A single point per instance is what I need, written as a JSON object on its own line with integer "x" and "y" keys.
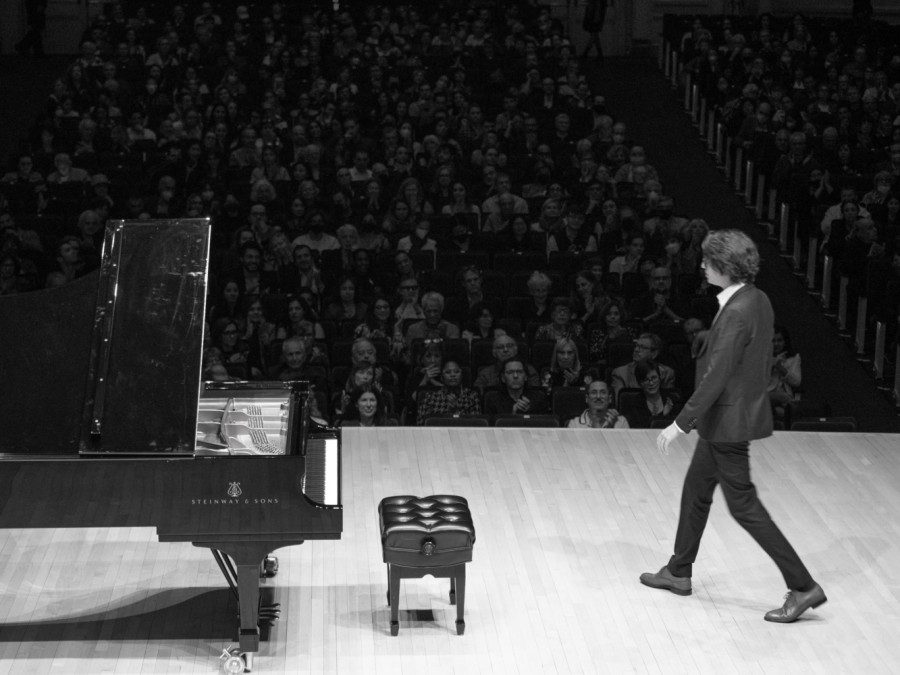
{"x": 730, "y": 403}
{"x": 499, "y": 403}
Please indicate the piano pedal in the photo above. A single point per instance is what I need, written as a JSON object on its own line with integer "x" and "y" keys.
{"x": 270, "y": 566}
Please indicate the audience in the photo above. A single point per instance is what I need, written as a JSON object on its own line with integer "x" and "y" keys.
{"x": 393, "y": 192}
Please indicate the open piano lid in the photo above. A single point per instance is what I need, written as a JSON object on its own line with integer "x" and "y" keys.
{"x": 144, "y": 375}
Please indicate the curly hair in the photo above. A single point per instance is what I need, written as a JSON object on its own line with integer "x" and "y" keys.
{"x": 731, "y": 253}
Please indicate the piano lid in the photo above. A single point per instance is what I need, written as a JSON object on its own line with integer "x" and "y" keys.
{"x": 144, "y": 374}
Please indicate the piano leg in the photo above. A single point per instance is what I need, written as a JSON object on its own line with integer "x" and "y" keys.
{"x": 247, "y": 557}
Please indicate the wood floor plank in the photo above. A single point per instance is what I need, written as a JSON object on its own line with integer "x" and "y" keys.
{"x": 565, "y": 520}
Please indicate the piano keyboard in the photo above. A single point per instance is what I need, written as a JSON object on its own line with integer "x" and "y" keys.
{"x": 320, "y": 482}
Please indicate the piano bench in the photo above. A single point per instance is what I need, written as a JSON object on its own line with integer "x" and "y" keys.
{"x": 426, "y": 535}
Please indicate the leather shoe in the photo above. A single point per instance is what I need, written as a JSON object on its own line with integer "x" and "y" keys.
{"x": 665, "y": 580}
{"x": 795, "y": 603}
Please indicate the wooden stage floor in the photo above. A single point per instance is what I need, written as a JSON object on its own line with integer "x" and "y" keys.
{"x": 566, "y": 521}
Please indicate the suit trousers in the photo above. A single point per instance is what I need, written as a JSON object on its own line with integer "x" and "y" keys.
{"x": 728, "y": 464}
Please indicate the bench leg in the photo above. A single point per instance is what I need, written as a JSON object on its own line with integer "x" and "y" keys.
{"x": 452, "y": 590}
{"x": 394, "y": 598}
{"x": 460, "y": 585}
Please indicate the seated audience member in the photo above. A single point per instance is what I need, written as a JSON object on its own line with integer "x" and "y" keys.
{"x": 589, "y": 299}
{"x": 91, "y": 230}
{"x": 630, "y": 261}
{"x": 418, "y": 239}
{"x": 66, "y": 173}
{"x": 227, "y": 339}
{"x": 662, "y": 224}
{"x": 692, "y": 328}
{"x": 598, "y": 414}
{"x": 462, "y": 238}
{"x": 370, "y": 237}
{"x": 348, "y": 237}
{"x": 499, "y": 222}
{"x": 367, "y": 409}
{"x": 519, "y": 238}
{"x": 363, "y": 352}
{"x": 472, "y": 281}
{"x": 216, "y": 372}
{"x": 656, "y": 404}
{"x": 460, "y": 203}
{"x": 297, "y": 364}
{"x": 609, "y": 331}
{"x": 786, "y": 374}
{"x": 316, "y": 237}
{"x": 691, "y": 254}
{"x": 378, "y": 323}
{"x": 301, "y": 321}
{"x": 229, "y": 303}
{"x": 836, "y": 239}
{"x": 346, "y": 306}
{"x": 861, "y": 247}
{"x": 409, "y": 309}
{"x": 539, "y": 310}
{"x": 646, "y": 348}
{"x": 9, "y": 274}
{"x": 433, "y": 326}
{"x": 451, "y": 398}
{"x": 363, "y": 275}
{"x": 836, "y": 211}
{"x": 561, "y": 323}
{"x": 259, "y": 334}
{"x": 504, "y": 347}
{"x": 304, "y": 273}
{"x": 252, "y": 278}
{"x": 512, "y": 396}
{"x": 573, "y": 237}
{"x": 659, "y": 305}
{"x": 565, "y": 367}
{"x": 481, "y": 324}
{"x": 425, "y": 373}
{"x": 68, "y": 257}
{"x": 361, "y": 376}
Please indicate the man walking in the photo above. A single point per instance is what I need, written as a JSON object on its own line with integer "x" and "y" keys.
{"x": 729, "y": 408}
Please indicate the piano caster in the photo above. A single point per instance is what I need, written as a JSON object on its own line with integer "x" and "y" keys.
{"x": 270, "y": 566}
{"x": 460, "y": 627}
{"x": 235, "y": 661}
{"x": 395, "y": 628}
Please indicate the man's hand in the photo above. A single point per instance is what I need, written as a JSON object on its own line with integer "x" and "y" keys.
{"x": 666, "y": 436}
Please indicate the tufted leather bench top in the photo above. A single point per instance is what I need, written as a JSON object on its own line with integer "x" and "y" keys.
{"x": 420, "y": 531}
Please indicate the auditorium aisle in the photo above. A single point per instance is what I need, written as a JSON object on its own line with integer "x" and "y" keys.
{"x": 638, "y": 94}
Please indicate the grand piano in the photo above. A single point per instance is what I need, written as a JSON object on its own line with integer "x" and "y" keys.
{"x": 107, "y": 422}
